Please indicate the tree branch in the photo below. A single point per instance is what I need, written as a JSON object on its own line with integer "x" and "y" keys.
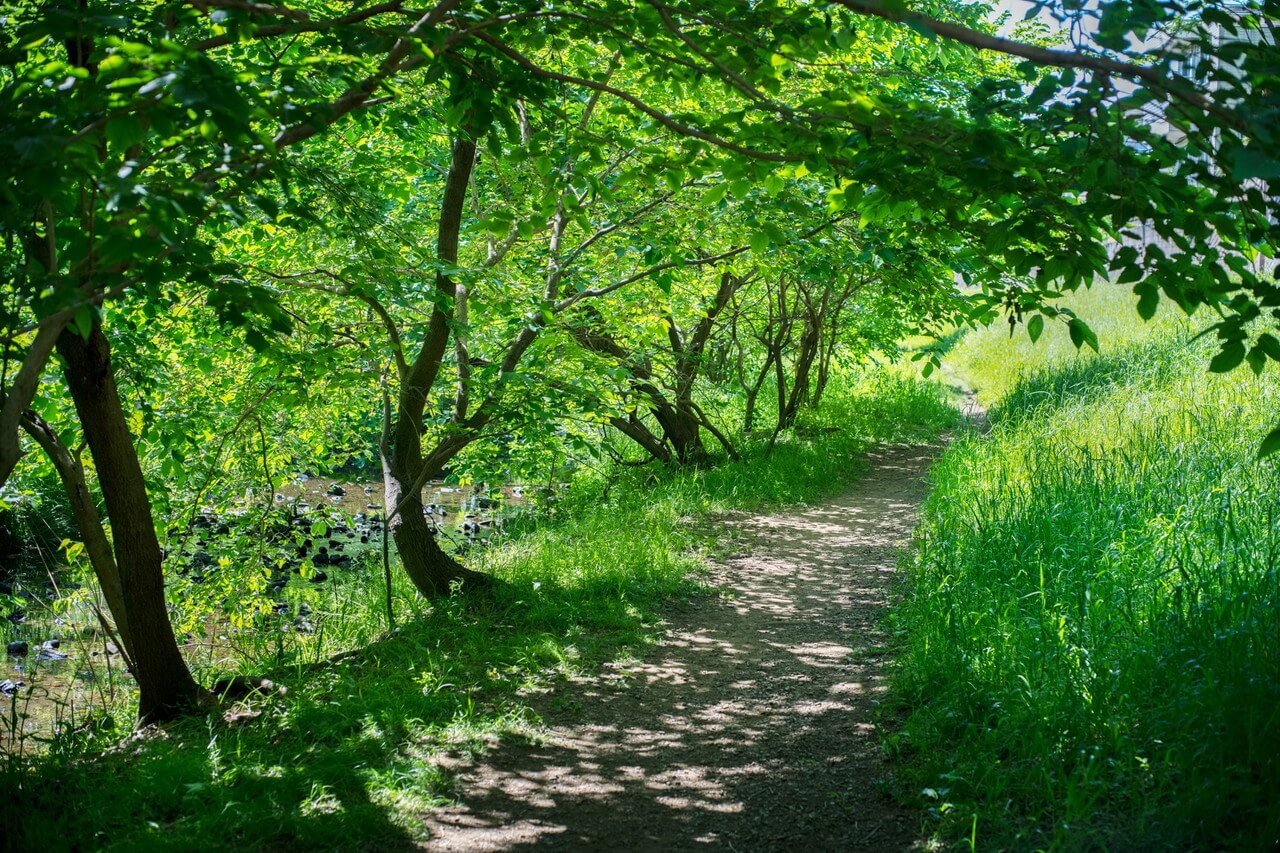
{"x": 1172, "y": 85}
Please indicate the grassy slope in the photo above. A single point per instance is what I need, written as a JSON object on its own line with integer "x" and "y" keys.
{"x": 993, "y": 362}
{"x": 343, "y": 761}
{"x": 1092, "y": 629}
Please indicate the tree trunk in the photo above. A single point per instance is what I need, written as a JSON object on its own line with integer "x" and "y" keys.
{"x": 780, "y": 387}
{"x": 800, "y": 389}
{"x": 166, "y": 688}
{"x": 96, "y": 544}
{"x": 790, "y": 403}
{"x": 404, "y": 470}
{"x": 720, "y": 436}
{"x": 824, "y": 372}
{"x": 682, "y": 431}
{"x": 432, "y": 571}
{"x": 753, "y": 392}
{"x": 684, "y": 421}
{"x": 635, "y": 430}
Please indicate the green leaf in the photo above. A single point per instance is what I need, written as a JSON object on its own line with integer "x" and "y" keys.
{"x": 1035, "y": 326}
{"x": 1269, "y": 345}
{"x": 1252, "y": 162}
{"x": 1270, "y": 444}
{"x": 125, "y": 132}
{"x": 113, "y": 65}
{"x": 921, "y": 29}
{"x": 759, "y": 242}
{"x": 1256, "y": 359}
{"x": 1081, "y": 334}
{"x": 256, "y": 340}
{"x": 1228, "y": 359}
{"x": 1148, "y": 300}
{"x": 83, "y": 321}
{"x": 1131, "y": 273}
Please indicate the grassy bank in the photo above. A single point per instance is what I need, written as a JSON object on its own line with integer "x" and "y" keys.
{"x": 344, "y": 760}
{"x": 993, "y": 362}
{"x": 1091, "y": 632}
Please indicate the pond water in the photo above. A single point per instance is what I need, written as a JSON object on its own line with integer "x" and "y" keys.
{"x": 469, "y": 511}
{"x": 61, "y": 666}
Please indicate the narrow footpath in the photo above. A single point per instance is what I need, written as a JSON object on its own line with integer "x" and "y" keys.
{"x": 749, "y": 727}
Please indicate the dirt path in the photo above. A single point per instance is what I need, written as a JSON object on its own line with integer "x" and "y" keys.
{"x": 749, "y": 728}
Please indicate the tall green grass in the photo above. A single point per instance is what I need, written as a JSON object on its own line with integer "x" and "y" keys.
{"x": 345, "y": 759}
{"x": 992, "y": 361}
{"x": 1091, "y": 628}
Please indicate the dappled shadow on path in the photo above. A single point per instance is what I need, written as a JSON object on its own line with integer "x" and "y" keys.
{"x": 748, "y": 728}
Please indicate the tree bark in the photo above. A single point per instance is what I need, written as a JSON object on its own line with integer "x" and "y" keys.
{"x": 824, "y": 373}
{"x": 690, "y": 364}
{"x": 432, "y": 571}
{"x": 720, "y": 436}
{"x": 680, "y": 427}
{"x": 166, "y": 687}
{"x": 753, "y": 392}
{"x": 635, "y": 430}
{"x": 830, "y": 336}
{"x": 801, "y": 377}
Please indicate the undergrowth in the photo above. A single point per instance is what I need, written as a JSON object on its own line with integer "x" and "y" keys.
{"x": 1091, "y": 630}
{"x": 345, "y": 759}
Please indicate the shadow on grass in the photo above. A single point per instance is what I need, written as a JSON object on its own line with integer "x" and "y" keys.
{"x": 341, "y": 759}
{"x": 344, "y": 760}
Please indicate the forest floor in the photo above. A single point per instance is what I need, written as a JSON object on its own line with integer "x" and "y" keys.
{"x": 750, "y": 726}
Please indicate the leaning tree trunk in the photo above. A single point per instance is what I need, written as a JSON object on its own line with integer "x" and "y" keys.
{"x": 790, "y": 403}
{"x": 753, "y": 392}
{"x": 430, "y": 568}
{"x": 681, "y": 421}
{"x": 800, "y": 388}
{"x": 166, "y": 688}
{"x": 752, "y": 389}
{"x": 96, "y": 543}
{"x": 633, "y": 428}
{"x": 824, "y": 374}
